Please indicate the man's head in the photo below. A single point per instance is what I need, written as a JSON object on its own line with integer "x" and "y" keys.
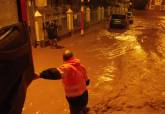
{"x": 67, "y": 55}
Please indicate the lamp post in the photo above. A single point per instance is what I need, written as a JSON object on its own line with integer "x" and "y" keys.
{"x": 88, "y": 16}
{"x": 82, "y": 17}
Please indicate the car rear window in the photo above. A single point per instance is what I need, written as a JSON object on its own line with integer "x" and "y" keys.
{"x": 119, "y": 16}
{"x": 129, "y": 14}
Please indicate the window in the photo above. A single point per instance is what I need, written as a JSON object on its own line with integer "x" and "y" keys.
{"x": 8, "y": 11}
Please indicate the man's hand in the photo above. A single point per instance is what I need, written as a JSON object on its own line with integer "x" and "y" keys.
{"x": 87, "y": 82}
{"x": 36, "y": 76}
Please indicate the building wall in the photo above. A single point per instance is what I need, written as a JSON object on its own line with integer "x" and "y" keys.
{"x": 41, "y": 3}
{"x": 140, "y": 4}
{"x": 156, "y": 4}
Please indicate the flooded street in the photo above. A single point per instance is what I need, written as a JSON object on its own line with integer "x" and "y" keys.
{"x": 126, "y": 68}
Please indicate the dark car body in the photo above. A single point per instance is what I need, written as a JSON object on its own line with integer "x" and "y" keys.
{"x": 118, "y": 21}
{"x": 16, "y": 65}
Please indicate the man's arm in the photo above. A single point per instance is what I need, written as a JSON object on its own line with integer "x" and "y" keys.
{"x": 85, "y": 75}
{"x": 51, "y": 73}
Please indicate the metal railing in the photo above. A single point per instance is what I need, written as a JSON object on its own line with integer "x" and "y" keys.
{"x": 77, "y": 20}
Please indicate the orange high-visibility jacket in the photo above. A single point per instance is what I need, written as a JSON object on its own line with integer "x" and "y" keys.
{"x": 74, "y": 77}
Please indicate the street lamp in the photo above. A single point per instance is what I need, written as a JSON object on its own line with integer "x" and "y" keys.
{"x": 82, "y": 17}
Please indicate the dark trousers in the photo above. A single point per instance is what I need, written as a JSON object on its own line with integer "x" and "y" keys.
{"x": 78, "y": 104}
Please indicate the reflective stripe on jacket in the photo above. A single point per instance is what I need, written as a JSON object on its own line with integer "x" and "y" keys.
{"x": 74, "y": 77}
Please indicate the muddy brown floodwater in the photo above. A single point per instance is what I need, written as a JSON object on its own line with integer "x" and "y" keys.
{"x": 126, "y": 68}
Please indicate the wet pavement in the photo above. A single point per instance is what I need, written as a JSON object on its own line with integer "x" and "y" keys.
{"x": 126, "y": 68}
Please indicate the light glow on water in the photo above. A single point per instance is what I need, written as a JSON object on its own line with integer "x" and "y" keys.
{"x": 126, "y": 38}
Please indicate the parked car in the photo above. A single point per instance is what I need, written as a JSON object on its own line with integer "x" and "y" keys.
{"x": 130, "y": 17}
{"x": 118, "y": 21}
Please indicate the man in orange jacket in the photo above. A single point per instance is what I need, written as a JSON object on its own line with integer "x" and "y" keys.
{"x": 75, "y": 80}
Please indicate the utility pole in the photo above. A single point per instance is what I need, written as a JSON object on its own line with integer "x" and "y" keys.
{"x": 88, "y": 15}
{"x": 82, "y": 17}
